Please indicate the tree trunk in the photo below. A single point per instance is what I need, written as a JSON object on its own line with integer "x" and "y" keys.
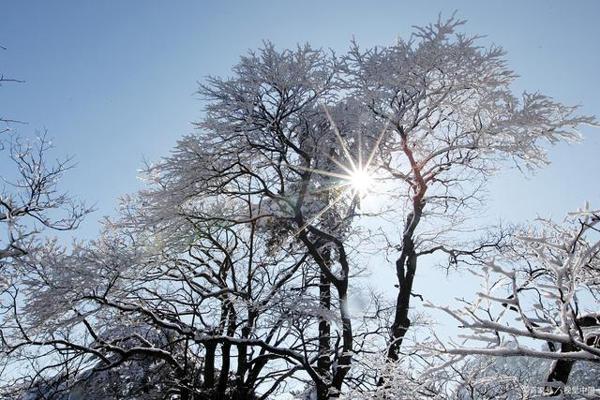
{"x": 406, "y": 268}
{"x": 559, "y": 373}
{"x": 209, "y": 366}
{"x": 560, "y": 370}
{"x": 344, "y": 360}
{"x": 324, "y": 361}
{"x": 242, "y": 362}
{"x": 254, "y": 372}
{"x": 224, "y": 373}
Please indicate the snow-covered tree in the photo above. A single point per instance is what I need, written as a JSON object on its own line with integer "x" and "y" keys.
{"x": 31, "y": 200}
{"x": 539, "y": 299}
{"x": 31, "y": 206}
{"x": 211, "y": 289}
{"x": 450, "y": 119}
{"x": 30, "y": 197}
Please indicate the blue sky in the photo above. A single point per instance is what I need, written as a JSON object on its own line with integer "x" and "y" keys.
{"x": 113, "y": 82}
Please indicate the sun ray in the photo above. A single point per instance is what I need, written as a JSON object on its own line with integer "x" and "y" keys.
{"x": 355, "y": 180}
{"x": 360, "y": 163}
{"x": 376, "y": 146}
{"x": 322, "y": 172}
{"x": 339, "y": 137}
{"x": 319, "y": 214}
{"x": 328, "y": 188}
{"x": 339, "y": 164}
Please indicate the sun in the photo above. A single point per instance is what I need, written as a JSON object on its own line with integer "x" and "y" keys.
{"x": 361, "y": 181}
{"x": 355, "y": 175}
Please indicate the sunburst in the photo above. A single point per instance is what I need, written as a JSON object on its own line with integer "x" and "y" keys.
{"x": 361, "y": 181}
{"x": 356, "y": 178}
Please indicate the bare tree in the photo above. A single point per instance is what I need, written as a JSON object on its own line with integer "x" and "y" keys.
{"x": 542, "y": 292}
{"x": 29, "y": 196}
{"x": 452, "y": 121}
{"x": 31, "y": 205}
{"x": 235, "y": 207}
{"x": 31, "y": 201}
{"x": 5, "y": 120}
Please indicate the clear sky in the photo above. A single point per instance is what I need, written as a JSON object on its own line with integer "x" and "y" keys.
{"x": 113, "y": 82}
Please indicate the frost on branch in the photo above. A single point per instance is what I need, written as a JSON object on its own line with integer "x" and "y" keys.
{"x": 451, "y": 120}
{"x": 540, "y": 298}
